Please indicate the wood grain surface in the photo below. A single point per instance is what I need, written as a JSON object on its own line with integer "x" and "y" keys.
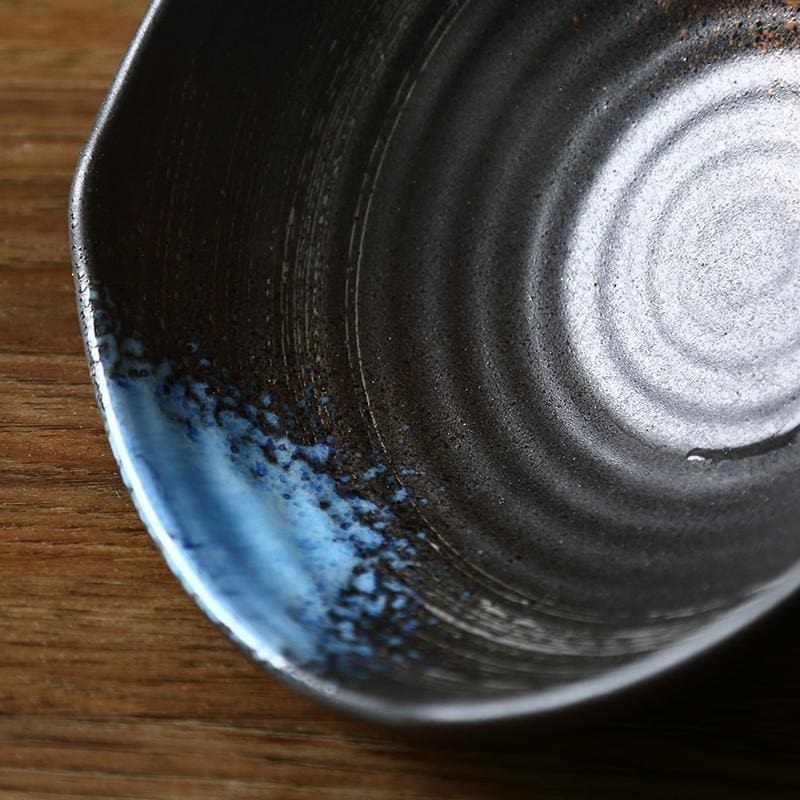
{"x": 114, "y": 685}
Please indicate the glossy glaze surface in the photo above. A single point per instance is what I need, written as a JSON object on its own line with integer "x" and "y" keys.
{"x": 428, "y": 338}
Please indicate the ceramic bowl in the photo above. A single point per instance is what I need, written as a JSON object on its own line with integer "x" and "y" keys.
{"x": 450, "y": 351}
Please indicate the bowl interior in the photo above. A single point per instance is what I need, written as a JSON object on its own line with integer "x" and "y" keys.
{"x": 451, "y": 353}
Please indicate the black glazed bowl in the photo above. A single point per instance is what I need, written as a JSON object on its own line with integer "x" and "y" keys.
{"x": 451, "y": 350}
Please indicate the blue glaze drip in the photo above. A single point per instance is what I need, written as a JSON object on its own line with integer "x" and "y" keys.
{"x": 283, "y": 545}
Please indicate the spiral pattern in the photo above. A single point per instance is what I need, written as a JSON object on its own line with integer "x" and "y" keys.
{"x": 682, "y": 281}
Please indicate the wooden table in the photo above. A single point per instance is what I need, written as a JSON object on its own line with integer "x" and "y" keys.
{"x": 113, "y": 684}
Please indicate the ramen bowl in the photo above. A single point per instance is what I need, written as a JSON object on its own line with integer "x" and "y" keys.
{"x": 450, "y": 351}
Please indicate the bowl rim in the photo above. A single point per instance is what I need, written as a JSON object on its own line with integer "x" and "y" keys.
{"x": 371, "y": 706}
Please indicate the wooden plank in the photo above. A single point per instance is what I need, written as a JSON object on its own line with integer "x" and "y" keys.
{"x": 112, "y": 683}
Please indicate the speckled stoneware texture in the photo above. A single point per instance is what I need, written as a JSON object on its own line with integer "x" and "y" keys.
{"x": 450, "y": 350}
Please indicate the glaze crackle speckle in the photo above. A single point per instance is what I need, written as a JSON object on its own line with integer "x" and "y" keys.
{"x": 282, "y": 525}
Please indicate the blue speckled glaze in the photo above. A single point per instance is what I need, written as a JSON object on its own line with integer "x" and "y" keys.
{"x": 259, "y": 516}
